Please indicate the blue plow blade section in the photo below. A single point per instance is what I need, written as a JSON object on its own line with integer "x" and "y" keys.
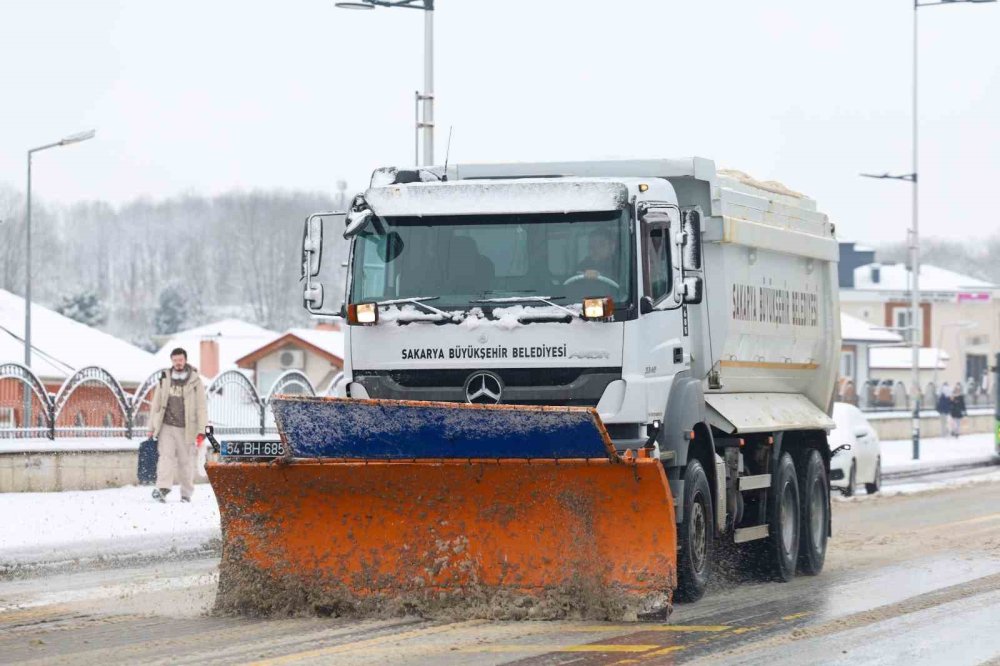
{"x": 405, "y": 430}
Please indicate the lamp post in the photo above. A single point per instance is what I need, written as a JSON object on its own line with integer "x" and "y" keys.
{"x": 426, "y": 98}
{"x": 914, "y": 235}
{"x": 73, "y": 138}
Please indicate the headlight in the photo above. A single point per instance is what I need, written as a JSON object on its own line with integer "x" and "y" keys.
{"x": 362, "y": 314}
{"x": 598, "y": 308}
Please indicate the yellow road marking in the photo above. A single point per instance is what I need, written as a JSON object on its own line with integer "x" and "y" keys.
{"x": 527, "y": 647}
{"x": 951, "y": 525}
{"x": 361, "y": 645}
{"x": 795, "y": 616}
{"x": 18, "y": 615}
{"x": 662, "y": 651}
{"x": 640, "y": 628}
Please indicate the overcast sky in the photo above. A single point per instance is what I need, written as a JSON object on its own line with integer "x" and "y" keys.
{"x": 209, "y": 95}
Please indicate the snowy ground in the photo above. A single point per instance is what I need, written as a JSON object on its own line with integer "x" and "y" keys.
{"x": 897, "y": 456}
{"x": 52, "y": 528}
{"x": 84, "y": 525}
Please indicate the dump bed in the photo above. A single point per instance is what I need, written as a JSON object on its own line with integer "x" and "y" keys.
{"x": 769, "y": 323}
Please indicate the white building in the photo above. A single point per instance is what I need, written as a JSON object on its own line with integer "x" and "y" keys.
{"x": 958, "y": 314}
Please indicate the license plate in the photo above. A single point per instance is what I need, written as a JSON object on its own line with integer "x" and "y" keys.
{"x": 253, "y": 449}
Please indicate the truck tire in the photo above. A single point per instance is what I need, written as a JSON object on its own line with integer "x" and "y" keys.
{"x": 815, "y": 510}
{"x": 782, "y": 546}
{"x": 876, "y": 484}
{"x": 695, "y": 534}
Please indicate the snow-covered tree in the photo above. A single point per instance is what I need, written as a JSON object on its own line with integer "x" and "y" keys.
{"x": 172, "y": 312}
{"x": 84, "y": 307}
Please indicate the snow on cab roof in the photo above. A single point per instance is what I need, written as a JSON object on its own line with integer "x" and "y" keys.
{"x": 528, "y": 195}
{"x": 61, "y": 346}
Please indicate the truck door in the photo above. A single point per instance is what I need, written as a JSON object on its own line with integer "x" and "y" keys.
{"x": 664, "y": 350}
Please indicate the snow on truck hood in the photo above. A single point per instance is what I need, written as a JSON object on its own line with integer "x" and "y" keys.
{"x": 532, "y": 195}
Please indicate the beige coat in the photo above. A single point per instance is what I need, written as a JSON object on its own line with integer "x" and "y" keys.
{"x": 195, "y": 408}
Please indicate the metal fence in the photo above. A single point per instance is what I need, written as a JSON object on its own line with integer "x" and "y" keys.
{"x": 888, "y": 395}
{"x": 92, "y": 403}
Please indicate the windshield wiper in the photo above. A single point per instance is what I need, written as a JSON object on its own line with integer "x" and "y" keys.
{"x": 419, "y": 301}
{"x": 548, "y": 300}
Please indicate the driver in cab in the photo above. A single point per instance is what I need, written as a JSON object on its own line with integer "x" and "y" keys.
{"x": 602, "y": 247}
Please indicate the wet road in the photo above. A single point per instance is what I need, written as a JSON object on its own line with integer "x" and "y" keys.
{"x": 909, "y": 579}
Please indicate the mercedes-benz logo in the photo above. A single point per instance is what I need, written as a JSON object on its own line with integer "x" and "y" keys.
{"x": 483, "y": 388}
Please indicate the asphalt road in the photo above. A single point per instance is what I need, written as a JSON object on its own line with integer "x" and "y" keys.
{"x": 909, "y": 579}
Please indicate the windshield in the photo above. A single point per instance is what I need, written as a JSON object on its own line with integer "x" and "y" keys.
{"x": 462, "y": 259}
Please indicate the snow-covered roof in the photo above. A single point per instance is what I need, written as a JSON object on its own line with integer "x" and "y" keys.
{"x": 900, "y": 358}
{"x": 895, "y": 277}
{"x": 61, "y": 346}
{"x": 853, "y": 329}
{"x": 329, "y": 340}
{"x": 236, "y": 338}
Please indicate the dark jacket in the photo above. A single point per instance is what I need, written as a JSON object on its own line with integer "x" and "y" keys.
{"x": 958, "y": 407}
{"x": 943, "y": 404}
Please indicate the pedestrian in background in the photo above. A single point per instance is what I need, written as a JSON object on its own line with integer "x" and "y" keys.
{"x": 178, "y": 419}
{"x": 957, "y": 409}
{"x": 944, "y": 408}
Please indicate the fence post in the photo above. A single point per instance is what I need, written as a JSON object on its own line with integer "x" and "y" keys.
{"x": 50, "y": 409}
{"x": 263, "y": 416}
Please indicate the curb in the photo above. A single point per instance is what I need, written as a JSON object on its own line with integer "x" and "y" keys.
{"x": 941, "y": 469}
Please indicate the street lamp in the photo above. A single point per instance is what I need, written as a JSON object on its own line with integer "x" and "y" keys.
{"x": 914, "y": 235}
{"x": 72, "y": 138}
{"x": 427, "y": 97}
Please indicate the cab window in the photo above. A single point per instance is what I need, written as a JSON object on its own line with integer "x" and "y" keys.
{"x": 656, "y": 254}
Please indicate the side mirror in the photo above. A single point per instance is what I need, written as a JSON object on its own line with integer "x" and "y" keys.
{"x": 645, "y": 305}
{"x": 312, "y": 260}
{"x": 691, "y": 227}
{"x": 312, "y": 296}
{"x": 312, "y": 245}
{"x": 357, "y": 221}
{"x": 693, "y": 287}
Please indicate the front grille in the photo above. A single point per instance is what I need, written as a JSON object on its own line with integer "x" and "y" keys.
{"x": 510, "y": 376}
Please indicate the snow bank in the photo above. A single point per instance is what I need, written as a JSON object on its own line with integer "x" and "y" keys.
{"x": 63, "y": 444}
{"x": 60, "y": 527}
{"x": 919, "y": 487}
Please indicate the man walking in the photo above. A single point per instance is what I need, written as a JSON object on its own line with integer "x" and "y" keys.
{"x": 178, "y": 419}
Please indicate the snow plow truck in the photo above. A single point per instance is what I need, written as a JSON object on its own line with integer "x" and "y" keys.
{"x": 566, "y": 387}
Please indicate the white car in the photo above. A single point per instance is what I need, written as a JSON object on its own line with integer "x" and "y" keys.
{"x": 863, "y": 463}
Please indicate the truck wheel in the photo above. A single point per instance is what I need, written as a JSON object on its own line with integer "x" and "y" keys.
{"x": 782, "y": 546}
{"x": 873, "y": 487}
{"x": 815, "y": 513}
{"x": 695, "y": 535}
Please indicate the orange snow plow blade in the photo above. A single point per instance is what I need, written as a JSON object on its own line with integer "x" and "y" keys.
{"x": 498, "y": 538}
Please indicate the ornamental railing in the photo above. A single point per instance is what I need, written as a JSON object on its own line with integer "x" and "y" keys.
{"x": 92, "y": 403}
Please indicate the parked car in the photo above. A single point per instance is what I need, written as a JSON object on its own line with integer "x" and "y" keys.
{"x": 863, "y": 463}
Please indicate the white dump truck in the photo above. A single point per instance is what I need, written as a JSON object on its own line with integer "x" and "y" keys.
{"x": 695, "y": 309}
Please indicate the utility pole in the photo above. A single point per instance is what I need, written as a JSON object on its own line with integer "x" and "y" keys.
{"x": 423, "y": 101}
{"x": 916, "y": 328}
